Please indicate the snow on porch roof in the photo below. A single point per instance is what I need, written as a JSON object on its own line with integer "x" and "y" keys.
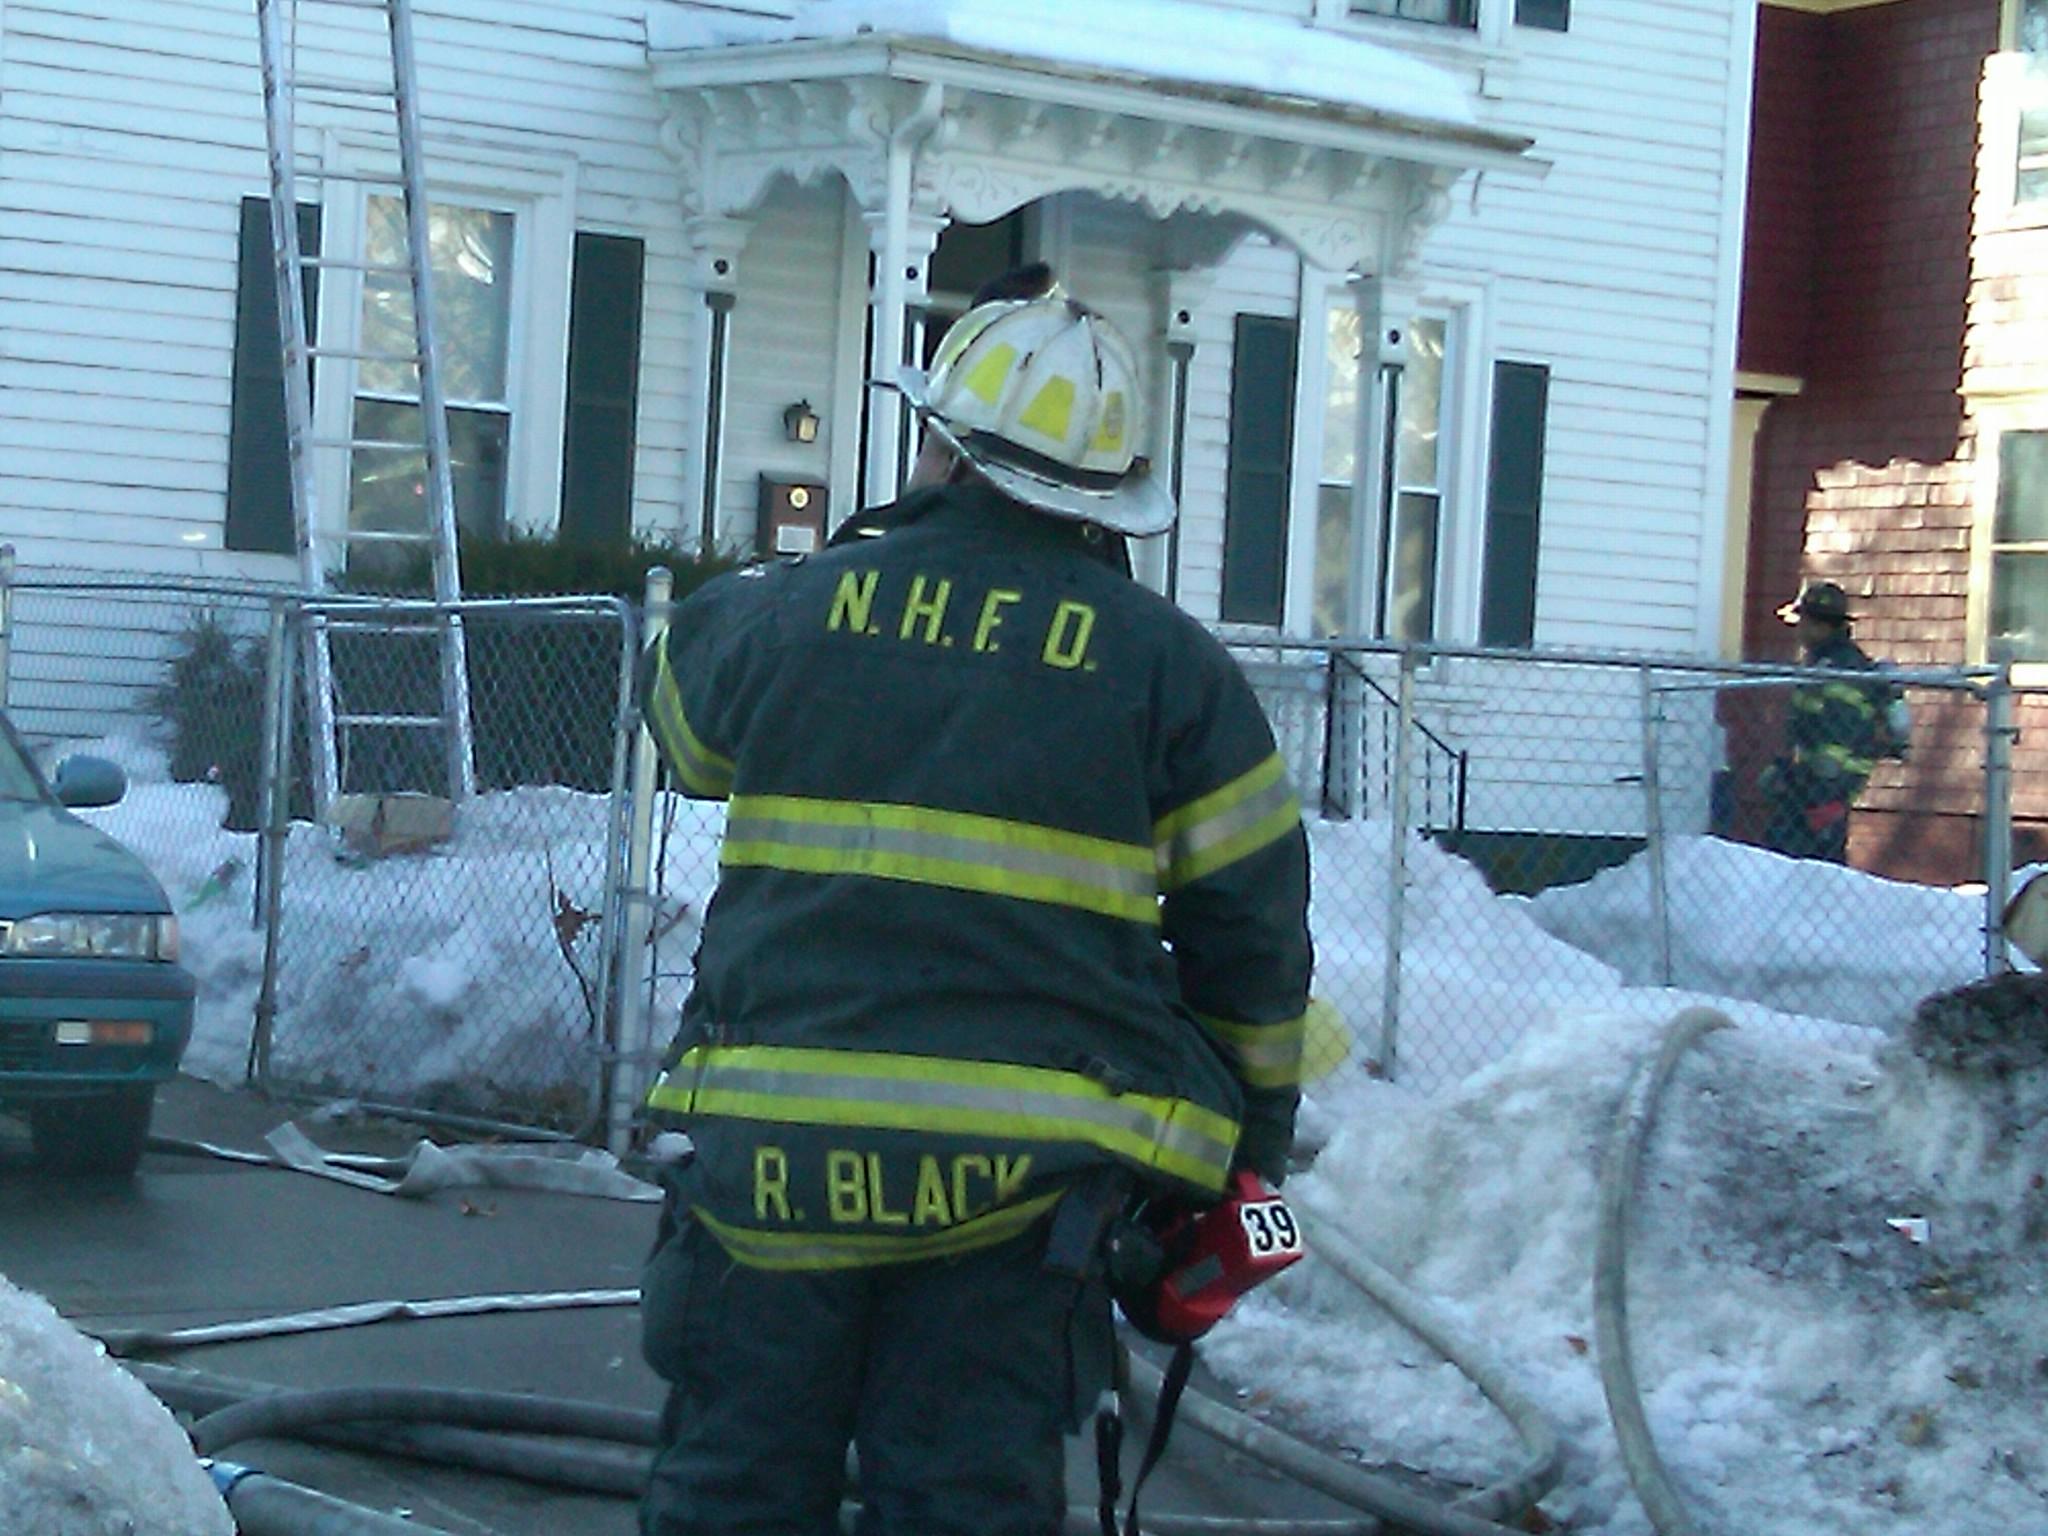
{"x": 1190, "y": 44}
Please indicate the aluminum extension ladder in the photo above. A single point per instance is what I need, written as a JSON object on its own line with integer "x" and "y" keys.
{"x": 320, "y": 541}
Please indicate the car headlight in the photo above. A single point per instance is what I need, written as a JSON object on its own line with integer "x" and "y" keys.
{"x": 91, "y": 935}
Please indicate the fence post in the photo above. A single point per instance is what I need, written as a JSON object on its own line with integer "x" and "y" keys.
{"x": 630, "y": 1049}
{"x": 276, "y": 769}
{"x": 277, "y": 822}
{"x": 1653, "y": 822}
{"x": 1397, "y": 866}
{"x": 1999, "y": 735}
{"x": 6, "y": 618}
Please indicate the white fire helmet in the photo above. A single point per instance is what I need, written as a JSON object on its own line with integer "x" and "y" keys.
{"x": 1042, "y": 398}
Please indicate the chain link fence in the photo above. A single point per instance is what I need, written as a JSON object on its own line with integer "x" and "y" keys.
{"x": 1508, "y": 836}
{"x": 1497, "y": 837}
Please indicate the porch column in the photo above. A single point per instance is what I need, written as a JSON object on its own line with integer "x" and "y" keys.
{"x": 715, "y": 247}
{"x": 902, "y": 240}
{"x": 1180, "y": 293}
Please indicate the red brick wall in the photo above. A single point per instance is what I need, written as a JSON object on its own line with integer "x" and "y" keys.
{"x": 1778, "y": 271}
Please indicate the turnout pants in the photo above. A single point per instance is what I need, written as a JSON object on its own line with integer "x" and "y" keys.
{"x": 956, "y": 1380}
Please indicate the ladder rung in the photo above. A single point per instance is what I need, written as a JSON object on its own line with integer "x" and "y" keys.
{"x": 419, "y": 722}
{"x": 350, "y": 264}
{"x": 384, "y": 536}
{"x": 391, "y": 443}
{"x": 354, "y": 352}
{"x": 361, "y": 178}
{"x": 339, "y": 87}
{"x": 425, "y": 631}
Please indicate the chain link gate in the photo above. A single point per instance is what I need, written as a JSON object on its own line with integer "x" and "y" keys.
{"x": 442, "y": 955}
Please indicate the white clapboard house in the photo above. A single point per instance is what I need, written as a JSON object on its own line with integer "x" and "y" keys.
{"x": 1437, "y": 296}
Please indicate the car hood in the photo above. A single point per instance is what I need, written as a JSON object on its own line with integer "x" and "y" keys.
{"x": 50, "y": 861}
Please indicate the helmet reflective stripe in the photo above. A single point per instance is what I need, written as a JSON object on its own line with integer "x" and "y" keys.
{"x": 1059, "y": 385}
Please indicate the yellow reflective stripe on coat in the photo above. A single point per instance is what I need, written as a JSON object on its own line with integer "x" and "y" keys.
{"x": 944, "y": 848}
{"x": 703, "y": 771}
{"x": 875, "y": 1090}
{"x": 1266, "y": 1055}
{"x": 1843, "y": 759}
{"x": 1251, "y": 812}
{"x": 817, "y": 1250}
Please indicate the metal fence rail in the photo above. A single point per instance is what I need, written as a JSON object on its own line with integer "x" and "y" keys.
{"x": 1496, "y": 836}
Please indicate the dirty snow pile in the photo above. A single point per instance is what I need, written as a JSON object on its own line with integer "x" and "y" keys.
{"x": 1806, "y": 1366}
{"x": 84, "y": 1449}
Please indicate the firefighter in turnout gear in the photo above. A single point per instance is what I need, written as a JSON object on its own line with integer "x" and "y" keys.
{"x": 1834, "y": 733}
{"x": 1011, "y": 912}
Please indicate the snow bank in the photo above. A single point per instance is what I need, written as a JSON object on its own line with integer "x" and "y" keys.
{"x": 84, "y": 1449}
{"x": 1806, "y": 1368}
{"x": 1168, "y": 40}
{"x": 1796, "y": 935}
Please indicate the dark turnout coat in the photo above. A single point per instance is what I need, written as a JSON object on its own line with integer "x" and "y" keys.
{"x": 1012, "y": 884}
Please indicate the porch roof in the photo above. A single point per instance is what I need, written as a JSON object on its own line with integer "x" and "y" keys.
{"x": 1176, "y": 50}
{"x": 1344, "y": 149}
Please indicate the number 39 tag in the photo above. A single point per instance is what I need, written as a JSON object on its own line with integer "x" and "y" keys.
{"x": 1269, "y": 1228}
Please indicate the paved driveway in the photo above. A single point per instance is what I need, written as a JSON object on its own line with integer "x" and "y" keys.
{"x": 198, "y": 1240}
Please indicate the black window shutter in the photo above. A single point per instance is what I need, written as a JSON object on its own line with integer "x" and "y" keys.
{"x": 604, "y": 385}
{"x": 1514, "y": 504}
{"x": 1549, "y": 15}
{"x": 1261, "y": 469}
{"x": 259, "y": 515}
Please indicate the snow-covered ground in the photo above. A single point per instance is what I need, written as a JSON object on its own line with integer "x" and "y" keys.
{"x": 84, "y": 1449}
{"x": 1807, "y": 1368}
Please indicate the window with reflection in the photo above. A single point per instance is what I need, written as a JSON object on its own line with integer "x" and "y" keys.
{"x": 1404, "y": 520}
{"x": 471, "y": 252}
{"x": 1448, "y": 13}
{"x": 2019, "y": 548}
{"x": 2031, "y": 181}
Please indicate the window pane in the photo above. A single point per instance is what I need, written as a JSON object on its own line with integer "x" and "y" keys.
{"x": 1340, "y": 400}
{"x": 388, "y": 488}
{"x": 1411, "y": 604}
{"x": 1422, "y": 382}
{"x": 2019, "y": 605}
{"x": 1456, "y": 13}
{"x": 2022, "y": 488}
{"x": 1335, "y": 599}
{"x": 2033, "y": 34}
{"x": 471, "y": 253}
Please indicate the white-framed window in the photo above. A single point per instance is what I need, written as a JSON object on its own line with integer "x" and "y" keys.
{"x": 1447, "y": 13}
{"x": 2009, "y": 562}
{"x": 500, "y": 237}
{"x": 1395, "y": 487}
{"x": 1489, "y": 22}
{"x": 474, "y": 261}
{"x": 2030, "y": 40}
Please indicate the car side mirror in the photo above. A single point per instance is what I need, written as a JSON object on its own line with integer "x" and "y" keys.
{"x": 83, "y": 783}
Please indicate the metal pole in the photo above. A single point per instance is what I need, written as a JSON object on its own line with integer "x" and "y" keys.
{"x": 1397, "y": 868}
{"x": 6, "y": 618}
{"x": 1180, "y": 359}
{"x": 276, "y": 782}
{"x": 1653, "y": 823}
{"x": 1999, "y": 735}
{"x": 630, "y": 1058}
{"x": 625, "y": 728}
{"x": 276, "y": 835}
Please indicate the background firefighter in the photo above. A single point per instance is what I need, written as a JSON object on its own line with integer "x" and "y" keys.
{"x": 1011, "y": 917}
{"x": 1834, "y": 733}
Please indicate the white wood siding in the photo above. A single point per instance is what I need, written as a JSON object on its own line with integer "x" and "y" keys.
{"x": 128, "y": 136}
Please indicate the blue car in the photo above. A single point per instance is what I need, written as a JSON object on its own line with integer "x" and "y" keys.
{"x": 95, "y": 1010}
